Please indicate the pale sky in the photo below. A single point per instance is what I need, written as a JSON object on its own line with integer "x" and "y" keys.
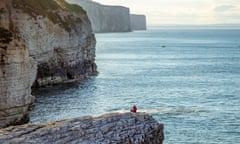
{"x": 183, "y": 11}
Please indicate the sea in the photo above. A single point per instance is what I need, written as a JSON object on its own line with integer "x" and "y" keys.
{"x": 187, "y": 78}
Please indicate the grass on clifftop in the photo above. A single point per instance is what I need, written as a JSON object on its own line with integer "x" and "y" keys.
{"x": 51, "y": 9}
{"x": 70, "y": 7}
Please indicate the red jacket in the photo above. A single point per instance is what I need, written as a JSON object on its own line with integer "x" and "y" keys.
{"x": 134, "y": 109}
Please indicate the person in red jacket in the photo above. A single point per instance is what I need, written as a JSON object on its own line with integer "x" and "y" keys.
{"x": 134, "y": 109}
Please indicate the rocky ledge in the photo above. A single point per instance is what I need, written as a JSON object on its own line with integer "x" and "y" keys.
{"x": 139, "y": 128}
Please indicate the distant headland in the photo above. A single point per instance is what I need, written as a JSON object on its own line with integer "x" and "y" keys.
{"x": 105, "y": 18}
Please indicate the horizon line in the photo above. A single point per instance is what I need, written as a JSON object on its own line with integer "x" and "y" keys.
{"x": 213, "y": 24}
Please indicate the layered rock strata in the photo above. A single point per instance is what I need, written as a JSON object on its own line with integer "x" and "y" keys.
{"x": 139, "y": 128}
{"x": 17, "y": 73}
{"x": 51, "y": 37}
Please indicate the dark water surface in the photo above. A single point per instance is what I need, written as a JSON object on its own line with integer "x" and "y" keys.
{"x": 187, "y": 79}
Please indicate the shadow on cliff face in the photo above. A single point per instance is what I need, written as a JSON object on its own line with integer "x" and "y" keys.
{"x": 50, "y": 37}
{"x": 60, "y": 88}
{"x": 5, "y": 37}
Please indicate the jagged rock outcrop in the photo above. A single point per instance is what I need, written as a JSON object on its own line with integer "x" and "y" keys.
{"x": 106, "y": 18}
{"x": 51, "y": 37}
{"x": 138, "y": 22}
{"x": 139, "y": 128}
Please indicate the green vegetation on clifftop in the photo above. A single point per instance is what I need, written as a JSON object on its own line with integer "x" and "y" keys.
{"x": 52, "y": 10}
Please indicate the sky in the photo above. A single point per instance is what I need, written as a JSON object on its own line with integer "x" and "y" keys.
{"x": 161, "y": 12}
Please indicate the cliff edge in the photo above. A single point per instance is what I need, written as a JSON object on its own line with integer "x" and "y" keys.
{"x": 43, "y": 42}
{"x": 138, "y": 22}
{"x": 106, "y": 18}
{"x": 139, "y": 128}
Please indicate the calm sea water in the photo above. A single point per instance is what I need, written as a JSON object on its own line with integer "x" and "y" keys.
{"x": 189, "y": 80}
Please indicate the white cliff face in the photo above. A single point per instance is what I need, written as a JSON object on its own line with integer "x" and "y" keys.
{"x": 106, "y": 18}
{"x": 17, "y": 73}
{"x": 62, "y": 55}
{"x": 54, "y": 40}
{"x": 138, "y": 22}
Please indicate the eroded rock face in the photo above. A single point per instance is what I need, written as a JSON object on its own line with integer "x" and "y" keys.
{"x": 58, "y": 36}
{"x": 17, "y": 73}
{"x": 139, "y": 128}
{"x": 51, "y": 37}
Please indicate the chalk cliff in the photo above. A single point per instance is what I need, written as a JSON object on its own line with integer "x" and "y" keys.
{"x": 47, "y": 40}
{"x": 106, "y": 18}
{"x": 17, "y": 73}
{"x": 126, "y": 128}
{"x": 138, "y": 22}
